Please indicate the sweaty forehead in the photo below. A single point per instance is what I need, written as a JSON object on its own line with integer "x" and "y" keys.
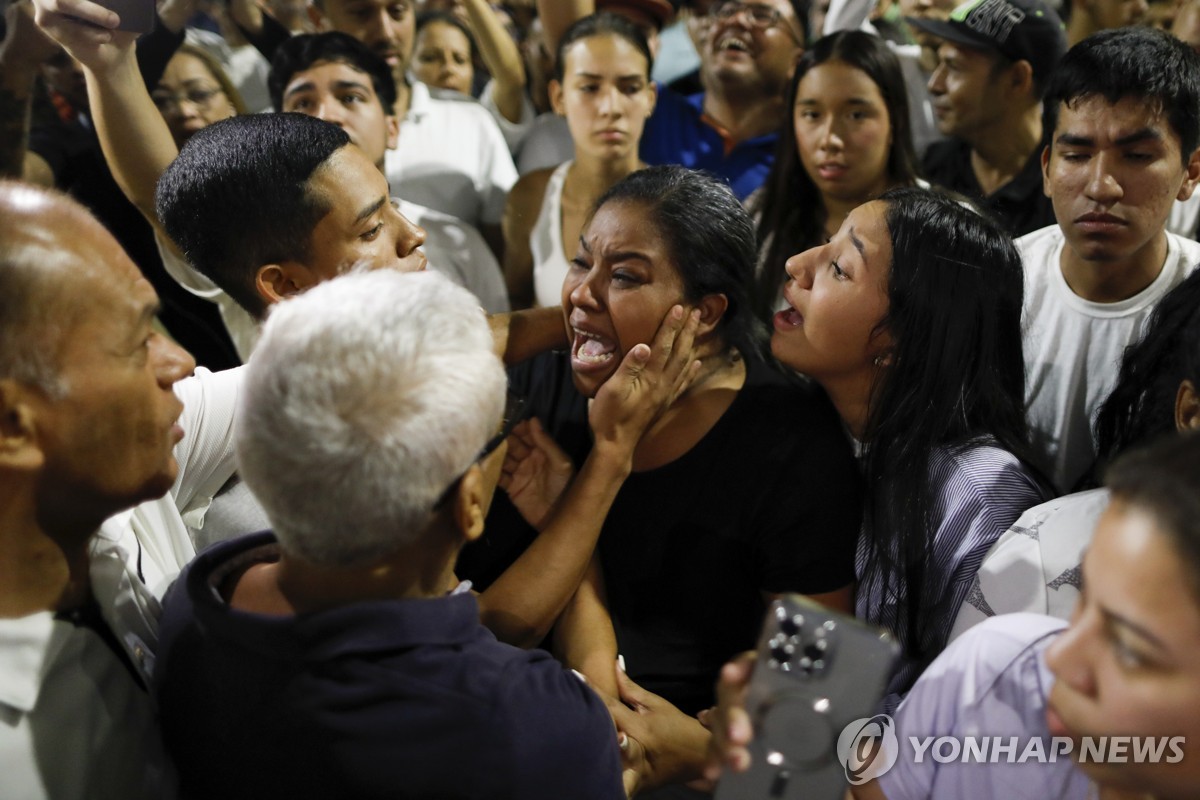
{"x": 1096, "y": 116}
{"x": 327, "y": 71}
{"x": 348, "y": 5}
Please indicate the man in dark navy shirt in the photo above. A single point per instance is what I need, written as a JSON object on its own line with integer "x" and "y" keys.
{"x": 333, "y": 657}
{"x": 337, "y": 656}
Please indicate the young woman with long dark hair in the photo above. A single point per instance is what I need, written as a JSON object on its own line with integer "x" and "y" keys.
{"x": 910, "y": 318}
{"x": 846, "y": 142}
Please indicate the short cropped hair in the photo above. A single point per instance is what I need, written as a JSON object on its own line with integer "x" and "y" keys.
{"x": 366, "y": 398}
{"x": 300, "y": 52}
{"x": 237, "y": 197}
{"x": 1141, "y": 63}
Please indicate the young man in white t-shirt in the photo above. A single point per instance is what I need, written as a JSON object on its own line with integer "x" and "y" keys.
{"x": 1125, "y": 108}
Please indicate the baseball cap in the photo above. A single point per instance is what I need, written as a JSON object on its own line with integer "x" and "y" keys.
{"x": 1020, "y": 30}
{"x": 661, "y": 11}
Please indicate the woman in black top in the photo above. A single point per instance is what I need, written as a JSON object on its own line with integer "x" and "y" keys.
{"x": 745, "y": 487}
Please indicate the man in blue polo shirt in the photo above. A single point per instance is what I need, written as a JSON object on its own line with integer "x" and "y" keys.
{"x": 747, "y": 61}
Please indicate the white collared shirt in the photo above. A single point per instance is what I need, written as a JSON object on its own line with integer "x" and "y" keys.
{"x": 74, "y": 721}
{"x": 451, "y": 157}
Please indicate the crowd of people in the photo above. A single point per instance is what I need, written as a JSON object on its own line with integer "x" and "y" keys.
{"x": 892, "y": 305}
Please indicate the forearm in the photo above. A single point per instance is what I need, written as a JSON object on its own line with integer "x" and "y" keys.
{"x": 16, "y": 97}
{"x": 557, "y": 16}
{"x": 136, "y": 141}
{"x": 584, "y": 638}
{"x": 522, "y": 604}
{"x": 261, "y": 30}
{"x": 248, "y": 16}
{"x": 518, "y": 259}
{"x": 523, "y": 334}
{"x": 174, "y": 14}
{"x": 518, "y": 281}
{"x": 501, "y": 56}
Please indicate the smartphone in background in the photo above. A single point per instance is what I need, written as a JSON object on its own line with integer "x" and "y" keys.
{"x": 817, "y": 671}
{"x": 137, "y": 16}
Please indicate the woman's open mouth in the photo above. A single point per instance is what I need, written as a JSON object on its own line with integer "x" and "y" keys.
{"x": 590, "y": 351}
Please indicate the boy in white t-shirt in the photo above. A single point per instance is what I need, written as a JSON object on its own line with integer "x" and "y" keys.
{"x": 1123, "y": 149}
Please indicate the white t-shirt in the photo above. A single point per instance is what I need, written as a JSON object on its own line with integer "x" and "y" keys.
{"x": 513, "y": 132}
{"x": 457, "y": 250}
{"x": 241, "y": 326}
{"x": 74, "y": 723}
{"x": 1035, "y": 565}
{"x": 1073, "y": 348}
{"x": 547, "y": 144}
{"x": 550, "y": 265}
{"x": 451, "y": 157}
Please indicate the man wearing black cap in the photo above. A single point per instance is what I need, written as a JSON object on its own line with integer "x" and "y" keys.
{"x": 993, "y": 60}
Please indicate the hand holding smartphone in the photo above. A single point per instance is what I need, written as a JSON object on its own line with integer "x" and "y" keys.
{"x": 816, "y": 671}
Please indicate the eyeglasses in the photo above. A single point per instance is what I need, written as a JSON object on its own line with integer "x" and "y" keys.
{"x": 760, "y": 16}
{"x": 169, "y": 101}
{"x": 514, "y": 412}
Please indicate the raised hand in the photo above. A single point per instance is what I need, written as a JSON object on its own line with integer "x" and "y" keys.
{"x": 649, "y": 380}
{"x": 536, "y": 472}
{"x": 86, "y": 30}
{"x": 25, "y": 45}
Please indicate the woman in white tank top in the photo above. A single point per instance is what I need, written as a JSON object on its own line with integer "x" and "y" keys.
{"x": 602, "y": 86}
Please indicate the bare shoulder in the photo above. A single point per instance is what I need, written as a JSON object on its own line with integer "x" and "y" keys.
{"x": 531, "y": 187}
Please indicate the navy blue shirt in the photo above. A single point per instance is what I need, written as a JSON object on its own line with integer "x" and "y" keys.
{"x": 678, "y": 133}
{"x": 396, "y": 699}
{"x": 1019, "y": 206}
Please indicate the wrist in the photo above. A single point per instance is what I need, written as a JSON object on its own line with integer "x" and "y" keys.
{"x": 687, "y": 760}
{"x": 114, "y": 70}
{"x": 612, "y": 457}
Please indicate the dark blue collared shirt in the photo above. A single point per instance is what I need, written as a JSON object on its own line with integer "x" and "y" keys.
{"x": 396, "y": 699}
{"x": 679, "y": 133}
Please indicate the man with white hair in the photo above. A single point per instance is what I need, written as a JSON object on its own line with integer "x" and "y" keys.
{"x": 333, "y": 656}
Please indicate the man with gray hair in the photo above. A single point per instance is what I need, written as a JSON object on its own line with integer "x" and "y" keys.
{"x": 334, "y": 656}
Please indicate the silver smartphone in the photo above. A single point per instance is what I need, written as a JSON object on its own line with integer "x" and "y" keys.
{"x": 817, "y": 671}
